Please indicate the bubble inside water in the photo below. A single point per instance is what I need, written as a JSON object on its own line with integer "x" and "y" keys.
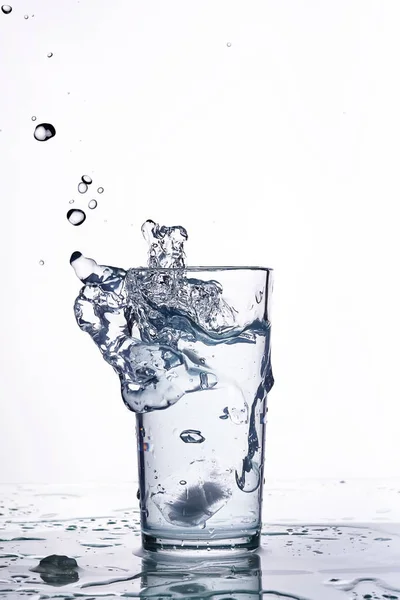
{"x": 6, "y": 8}
{"x": 44, "y": 132}
{"x": 76, "y": 216}
{"x": 86, "y": 179}
{"x": 49, "y": 55}
{"x": 100, "y": 190}
{"x": 82, "y": 187}
{"x": 192, "y": 436}
{"x": 92, "y": 204}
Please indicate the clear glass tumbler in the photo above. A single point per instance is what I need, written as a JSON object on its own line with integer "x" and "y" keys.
{"x": 201, "y": 459}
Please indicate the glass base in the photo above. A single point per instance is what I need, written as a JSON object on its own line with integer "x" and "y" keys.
{"x": 209, "y": 547}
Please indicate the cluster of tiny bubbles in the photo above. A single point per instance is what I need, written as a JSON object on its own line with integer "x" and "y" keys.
{"x": 49, "y": 55}
{"x": 92, "y": 204}
{"x": 6, "y": 8}
{"x": 44, "y": 132}
{"x": 76, "y": 216}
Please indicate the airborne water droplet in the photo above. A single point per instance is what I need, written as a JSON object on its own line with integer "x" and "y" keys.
{"x": 100, "y": 190}
{"x": 86, "y": 179}
{"x": 82, "y": 187}
{"x": 76, "y": 216}
{"x": 92, "y": 204}
{"x": 44, "y": 132}
{"x": 49, "y": 55}
{"x": 6, "y": 8}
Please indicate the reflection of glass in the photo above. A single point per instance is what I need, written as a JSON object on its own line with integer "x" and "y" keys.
{"x": 201, "y": 458}
{"x": 236, "y": 578}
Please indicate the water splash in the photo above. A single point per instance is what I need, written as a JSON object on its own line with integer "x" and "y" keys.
{"x": 145, "y": 322}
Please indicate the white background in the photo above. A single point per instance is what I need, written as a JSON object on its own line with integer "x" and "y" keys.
{"x": 281, "y": 150}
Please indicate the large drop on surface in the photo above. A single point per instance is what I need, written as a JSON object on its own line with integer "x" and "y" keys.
{"x": 6, "y": 9}
{"x": 44, "y": 132}
{"x": 76, "y": 216}
{"x": 58, "y": 570}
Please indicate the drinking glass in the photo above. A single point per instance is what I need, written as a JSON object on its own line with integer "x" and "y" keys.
{"x": 201, "y": 460}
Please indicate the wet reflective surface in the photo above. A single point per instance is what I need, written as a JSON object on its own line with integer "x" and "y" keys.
{"x": 322, "y": 540}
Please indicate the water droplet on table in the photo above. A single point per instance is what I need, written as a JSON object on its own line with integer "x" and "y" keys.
{"x": 41, "y": 262}
{"x": 33, "y": 118}
{"x": 26, "y": 16}
{"x": 76, "y": 216}
{"x": 229, "y": 44}
{"x": 44, "y": 132}
{"x": 6, "y": 9}
{"x": 82, "y": 187}
{"x": 86, "y": 179}
{"x": 92, "y": 204}
{"x": 100, "y": 190}
{"x": 49, "y": 55}
{"x": 71, "y": 201}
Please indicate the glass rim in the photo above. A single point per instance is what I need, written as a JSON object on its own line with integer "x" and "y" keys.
{"x": 203, "y": 268}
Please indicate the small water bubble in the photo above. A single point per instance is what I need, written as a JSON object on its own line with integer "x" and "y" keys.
{"x": 192, "y": 436}
{"x": 49, "y": 54}
{"x": 87, "y": 179}
{"x": 76, "y": 217}
{"x": 33, "y": 118}
{"x": 6, "y": 8}
{"x": 92, "y": 204}
{"x": 100, "y": 190}
{"x": 82, "y": 187}
{"x": 229, "y": 44}
{"x": 41, "y": 262}
{"x": 44, "y": 132}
